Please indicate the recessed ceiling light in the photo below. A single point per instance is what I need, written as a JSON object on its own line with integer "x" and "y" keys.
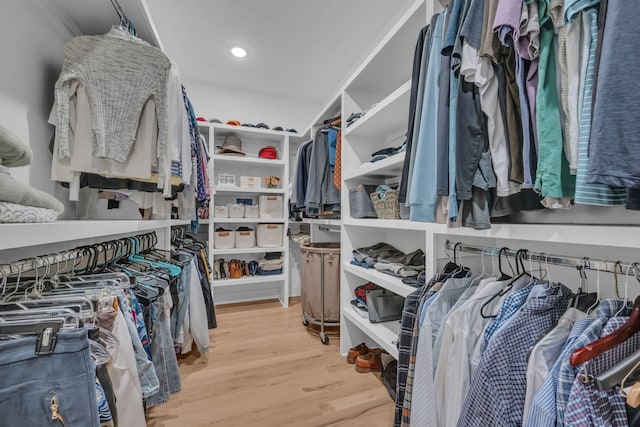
{"x": 238, "y": 52}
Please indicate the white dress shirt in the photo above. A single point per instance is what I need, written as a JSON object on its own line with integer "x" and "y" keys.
{"x": 464, "y": 328}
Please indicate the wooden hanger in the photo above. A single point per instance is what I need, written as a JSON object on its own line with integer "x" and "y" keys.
{"x": 596, "y": 348}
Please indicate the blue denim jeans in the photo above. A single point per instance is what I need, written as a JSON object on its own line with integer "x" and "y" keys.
{"x": 146, "y": 371}
{"x": 34, "y": 387}
{"x": 164, "y": 355}
{"x": 178, "y": 313}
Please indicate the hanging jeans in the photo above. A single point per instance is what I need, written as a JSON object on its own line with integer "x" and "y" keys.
{"x": 36, "y": 388}
{"x": 164, "y": 355}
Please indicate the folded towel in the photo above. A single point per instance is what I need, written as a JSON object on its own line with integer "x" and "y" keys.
{"x": 13, "y": 191}
{"x": 11, "y": 212}
{"x": 13, "y": 152}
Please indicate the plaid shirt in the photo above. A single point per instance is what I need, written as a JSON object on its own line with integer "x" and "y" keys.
{"x": 509, "y": 307}
{"x": 607, "y": 309}
{"x": 497, "y": 393}
{"x": 543, "y": 407}
{"x": 407, "y": 341}
{"x": 587, "y": 405}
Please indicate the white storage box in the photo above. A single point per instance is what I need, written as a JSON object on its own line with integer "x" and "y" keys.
{"x": 245, "y": 238}
{"x": 250, "y": 182}
{"x": 221, "y": 211}
{"x": 236, "y": 210}
{"x": 251, "y": 211}
{"x": 269, "y": 235}
{"x": 271, "y": 207}
{"x": 224, "y": 239}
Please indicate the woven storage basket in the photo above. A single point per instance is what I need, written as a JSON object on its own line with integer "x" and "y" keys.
{"x": 388, "y": 208}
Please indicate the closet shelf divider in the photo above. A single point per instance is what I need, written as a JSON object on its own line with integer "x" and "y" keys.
{"x": 387, "y": 117}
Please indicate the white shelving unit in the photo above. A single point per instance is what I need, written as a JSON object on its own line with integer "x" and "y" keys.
{"x": 383, "y": 91}
{"x": 381, "y": 87}
{"x": 253, "y": 140}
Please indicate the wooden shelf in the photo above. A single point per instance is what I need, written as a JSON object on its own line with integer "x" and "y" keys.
{"x": 384, "y": 334}
{"x": 388, "y": 117}
{"x": 245, "y": 159}
{"x": 386, "y": 281}
{"x": 247, "y": 281}
{"x": 22, "y": 235}
{"x": 248, "y": 221}
{"x": 390, "y": 167}
{"x": 238, "y": 251}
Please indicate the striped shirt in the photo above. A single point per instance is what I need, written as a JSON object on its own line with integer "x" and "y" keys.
{"x": 587, "y": 193}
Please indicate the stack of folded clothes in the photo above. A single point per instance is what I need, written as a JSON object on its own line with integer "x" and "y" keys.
{"x": 18, "y": 201}
{"x": 387, "y": 259}
{"x": 271, "y": 265}
{"x": 387, "y": 152}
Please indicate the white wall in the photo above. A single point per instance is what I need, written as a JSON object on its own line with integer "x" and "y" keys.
{"x": 32, "y": 45}
{"x": 225, "y": 104}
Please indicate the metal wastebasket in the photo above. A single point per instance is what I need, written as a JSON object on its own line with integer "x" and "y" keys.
{"x": 321, "y": 286}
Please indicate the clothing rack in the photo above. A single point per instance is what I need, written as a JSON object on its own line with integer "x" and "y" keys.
{"x": 76, "y": 259}
{"x": 584, "y": 263}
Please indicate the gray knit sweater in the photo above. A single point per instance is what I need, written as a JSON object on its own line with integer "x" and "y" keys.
{"x": 120, "y": 74}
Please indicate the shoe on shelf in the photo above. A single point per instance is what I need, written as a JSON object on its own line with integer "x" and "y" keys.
{"x": 355, "y": 352}
{"x": 369, "y": 362}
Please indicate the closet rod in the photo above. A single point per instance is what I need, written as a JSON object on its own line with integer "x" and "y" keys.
{"x": 64, "y": 261}
{"x": 585, "y": 263}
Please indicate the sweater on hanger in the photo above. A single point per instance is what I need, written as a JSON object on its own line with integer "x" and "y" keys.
{"x": 120, "y": 74}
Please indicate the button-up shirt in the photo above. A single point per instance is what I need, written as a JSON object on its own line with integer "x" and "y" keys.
{"x": 497, "y": 391}
{"x": 545, "y": 353}
{"x": 445, "y": 299}
{"x": 607, "y": 309}
{"x": 461, "y": 332}
{"x": 509, "y": 307}
{"x": 589, "y": 406}
{"x": 543, "y": 408}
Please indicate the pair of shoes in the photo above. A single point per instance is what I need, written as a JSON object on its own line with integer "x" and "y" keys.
{"x": 360, "y": 349}
{"x": 370, "y": 362}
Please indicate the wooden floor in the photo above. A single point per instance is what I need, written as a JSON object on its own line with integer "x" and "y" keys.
{"x": 264, "y": 370}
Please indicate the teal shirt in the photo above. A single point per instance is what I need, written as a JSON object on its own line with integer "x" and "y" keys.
{"x": 553, "y": 177}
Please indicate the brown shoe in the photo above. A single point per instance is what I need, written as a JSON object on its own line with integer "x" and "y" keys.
{"x": 356, "y": 351}
{"x": 369, "y": 362}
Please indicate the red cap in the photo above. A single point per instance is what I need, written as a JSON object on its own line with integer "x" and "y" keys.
{"x": 268, "y": 153}
{"x": 233, "y": 123}
{"x": 202, "y": 119}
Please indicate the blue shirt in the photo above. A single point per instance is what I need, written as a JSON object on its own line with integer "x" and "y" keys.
{"x": 424, "y": 197}
{"x": 606, "y": 310}
{"x": 509, "y": 307}
{"x": 543, "y": 408}
{"x": 497, "y": 392}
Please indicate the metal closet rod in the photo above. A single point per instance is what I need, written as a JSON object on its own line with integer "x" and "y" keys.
{"x": 70, "y": 256}
{"x": 584, "y": 263}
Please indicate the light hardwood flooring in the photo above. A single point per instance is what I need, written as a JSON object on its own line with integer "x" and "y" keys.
{"x": 265, "y": 370}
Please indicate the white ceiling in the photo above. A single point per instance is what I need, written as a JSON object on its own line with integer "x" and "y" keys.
{"x": 303, "y": 49}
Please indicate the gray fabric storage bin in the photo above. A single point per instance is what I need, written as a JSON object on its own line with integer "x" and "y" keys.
{"x": 360, "y": 204}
